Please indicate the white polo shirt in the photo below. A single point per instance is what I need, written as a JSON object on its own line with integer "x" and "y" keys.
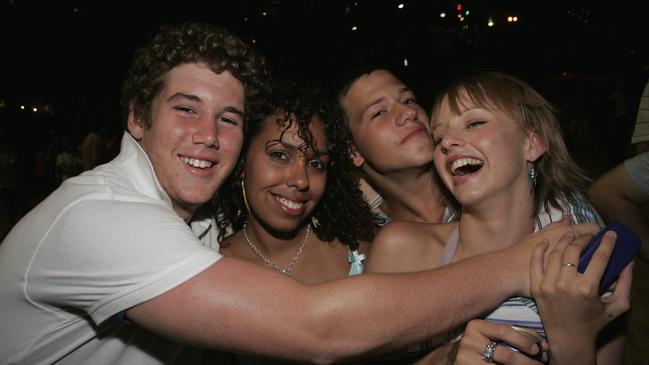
{"x": 103, "y": 242}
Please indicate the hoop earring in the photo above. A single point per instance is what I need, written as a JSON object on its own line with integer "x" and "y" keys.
{"x": 531, "y": 177}
{"x": 243, "y": 192}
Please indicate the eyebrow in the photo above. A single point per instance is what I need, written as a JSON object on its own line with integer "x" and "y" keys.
{"x": 377, "y": 101}
{"x": 462, "y": 112}
{"x": 294, "y": 147}
{"x": 185, "y": 96}
{"x": 402, "y": 90}
{"x": 471, "y": 109}
{"x": 234, "y": 110}
{"x": 195, "y": 98}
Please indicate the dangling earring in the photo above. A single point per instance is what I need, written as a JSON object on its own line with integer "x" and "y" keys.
{"x": 315, "y": 223}
{"x": 243, "y": 192}
{"x": 531, "y": 177}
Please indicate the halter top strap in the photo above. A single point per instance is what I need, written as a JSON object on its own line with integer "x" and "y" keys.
{"x": 449, "y": 248}
{"x": 356, "y": 262}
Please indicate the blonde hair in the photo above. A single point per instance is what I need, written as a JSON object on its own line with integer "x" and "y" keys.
{"x": 559, "y": 176}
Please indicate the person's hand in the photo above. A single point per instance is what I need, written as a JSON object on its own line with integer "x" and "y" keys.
{"x": 479, "y": 335}
{"x": 519, "y": 254}
{"x": 569, "y": 302}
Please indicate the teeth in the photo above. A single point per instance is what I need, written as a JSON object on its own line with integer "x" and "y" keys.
{"x": 289, "y": 203}
{"x": 201, "y": 164}
{"x": 464, "y": 162}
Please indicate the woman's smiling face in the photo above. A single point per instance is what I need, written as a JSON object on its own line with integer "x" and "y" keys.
{"x": 284, "y": 178}
{"x": 479, "y": 151}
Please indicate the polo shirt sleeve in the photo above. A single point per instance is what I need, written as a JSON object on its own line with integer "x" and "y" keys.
{"x": 104, "y": 257}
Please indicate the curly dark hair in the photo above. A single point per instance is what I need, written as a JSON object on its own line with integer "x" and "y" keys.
{"x": 342, "y": 212}
{"x": 191, "y": 43}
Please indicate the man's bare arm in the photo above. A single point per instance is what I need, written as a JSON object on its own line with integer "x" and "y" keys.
{"x": 238, "y": 306}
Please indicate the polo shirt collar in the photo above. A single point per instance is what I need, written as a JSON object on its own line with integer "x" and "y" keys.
{"x": 137, "y": 166}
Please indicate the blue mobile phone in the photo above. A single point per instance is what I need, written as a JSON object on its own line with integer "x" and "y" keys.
{"x": 626, "y": 246}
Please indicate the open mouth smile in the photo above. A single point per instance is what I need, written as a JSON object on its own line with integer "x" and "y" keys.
{"x": 465, "y": 166}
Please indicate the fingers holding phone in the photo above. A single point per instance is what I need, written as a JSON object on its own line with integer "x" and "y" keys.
{"x": 567, "y": 290}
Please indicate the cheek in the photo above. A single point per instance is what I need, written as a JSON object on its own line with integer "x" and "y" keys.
{"x": 387, "y": 138}
{"x": 318, "y": 185}
{"x": 177, "y": 132}
{"x": 165, "y": 140}
{"x": 261, "y": 173}
{"x": 504, "y": 147}
{"x": 438, "y": 159}
{"x": 375, "y": 139}
{"x": 231, "y": 142}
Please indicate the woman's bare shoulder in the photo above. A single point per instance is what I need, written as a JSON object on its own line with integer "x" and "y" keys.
{"x": 408, "y": 246}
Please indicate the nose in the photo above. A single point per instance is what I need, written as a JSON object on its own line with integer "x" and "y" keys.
{"x": 206, "y": 132}
{"x": 405, "y": 114}
{"x": 450, "y": 140}
{"x": 298, "y": 177}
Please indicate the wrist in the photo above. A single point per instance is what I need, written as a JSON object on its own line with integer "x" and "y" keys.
{"x": 573, "y": 350}
{"x": 516, "y": 262}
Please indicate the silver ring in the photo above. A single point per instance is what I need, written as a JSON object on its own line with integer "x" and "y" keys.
{"x": 489, "y": 351}
{"x": 567, "y": 264}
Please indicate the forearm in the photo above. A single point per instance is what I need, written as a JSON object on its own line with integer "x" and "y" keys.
{"x": 583, "y": 350}
{"x": 573, "y": 351}
{"x": 617, "y": 197}
{"x": 619, "y": 208}
{"x": 395, "y": 310}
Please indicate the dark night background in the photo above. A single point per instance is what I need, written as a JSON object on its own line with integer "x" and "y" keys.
{"x": 67, "y": 59}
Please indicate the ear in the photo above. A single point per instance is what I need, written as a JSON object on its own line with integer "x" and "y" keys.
{"x": 356, "y": 157}
{"x": 135, "y": 126}
{"x": 536, "y": 147}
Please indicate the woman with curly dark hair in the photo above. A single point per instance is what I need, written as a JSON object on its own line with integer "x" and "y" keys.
{"x": 294, "y": 201}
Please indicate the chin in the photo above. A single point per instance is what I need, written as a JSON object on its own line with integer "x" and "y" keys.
{"x": 197, "y": 200}
{"x": 468, "y": 200}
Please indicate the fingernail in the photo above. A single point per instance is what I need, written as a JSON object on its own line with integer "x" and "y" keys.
{"x": 535, "y": 349}
{"x": 611, "y": 234}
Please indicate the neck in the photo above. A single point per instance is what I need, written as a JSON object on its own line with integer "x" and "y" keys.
{"x": 274, "y": 243}
{"x": 494, "y": 225}
{"x": 410, "y": 195}
{"x": 277, "y": 263}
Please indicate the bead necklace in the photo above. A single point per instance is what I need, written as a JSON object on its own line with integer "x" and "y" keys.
{"x": 289, "y": 269}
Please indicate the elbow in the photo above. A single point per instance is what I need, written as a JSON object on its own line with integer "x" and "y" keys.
{"x": 334, "y": 339}
{"x": 329, "y": 348}
{"x": 593, "y": 193}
